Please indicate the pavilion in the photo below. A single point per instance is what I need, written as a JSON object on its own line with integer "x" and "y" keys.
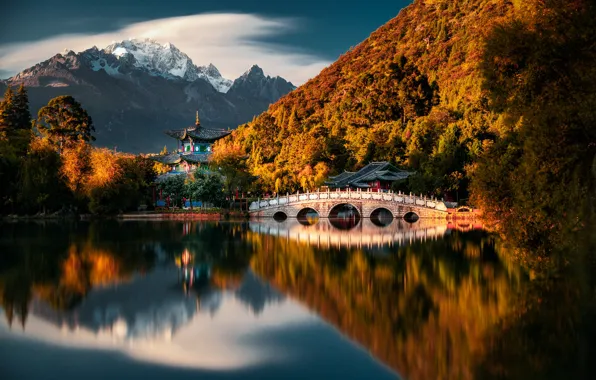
{"x": 377, "y": 176}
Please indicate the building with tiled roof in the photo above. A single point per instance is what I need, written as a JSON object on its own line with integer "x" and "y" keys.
{"x": 374, "y": 176}
{"x": 194, "y": 147}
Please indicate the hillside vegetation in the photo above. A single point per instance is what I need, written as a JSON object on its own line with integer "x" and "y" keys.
{"x": 410, "y": 94}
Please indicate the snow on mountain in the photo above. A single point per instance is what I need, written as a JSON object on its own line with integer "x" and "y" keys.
{"x": 213, "y": 76}
{"x": 165, "y": 60}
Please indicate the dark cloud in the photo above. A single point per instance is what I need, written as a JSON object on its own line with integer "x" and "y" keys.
{"x": 332, "y": 25}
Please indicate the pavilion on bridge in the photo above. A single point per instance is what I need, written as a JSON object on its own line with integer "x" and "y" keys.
{"x": 376, "y": 176}
{"x": 195, "y": 146}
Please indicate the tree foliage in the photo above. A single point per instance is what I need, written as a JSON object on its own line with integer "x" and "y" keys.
{"x": 57, "y": 169}
{"x": 64, "y": 121}
{"x": 542, "y": 81}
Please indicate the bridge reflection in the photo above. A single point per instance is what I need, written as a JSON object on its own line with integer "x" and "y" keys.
{"x": 342, "y": 232}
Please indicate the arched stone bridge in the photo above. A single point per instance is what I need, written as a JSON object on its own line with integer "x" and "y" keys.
{"x": 367, "y": 203}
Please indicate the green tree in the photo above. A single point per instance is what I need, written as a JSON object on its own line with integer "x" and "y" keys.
{"x": 232, "y": 164}
{"x": 41, "y": 187}
{"x": 208, "y": 188}
{"x": 174, "y": 188}
{"x": 21, "y": 104}
{"x": 8, "y": 116}
{"x": 64, "y": 121}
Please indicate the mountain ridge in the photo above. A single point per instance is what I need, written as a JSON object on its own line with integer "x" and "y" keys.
{"x": 148, "y": 87}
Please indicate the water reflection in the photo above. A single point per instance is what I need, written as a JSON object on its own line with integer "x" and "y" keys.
{"x": 381, "y": 217}
{"x": 344, "y": 217}
{"x": 364, "y": 235}
{"x": 428, "y": 300}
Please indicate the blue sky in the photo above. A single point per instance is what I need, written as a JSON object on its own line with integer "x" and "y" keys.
{"x": 292, "y": 38}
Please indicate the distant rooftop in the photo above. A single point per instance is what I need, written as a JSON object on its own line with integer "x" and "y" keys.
{"x": 374, "y": 171}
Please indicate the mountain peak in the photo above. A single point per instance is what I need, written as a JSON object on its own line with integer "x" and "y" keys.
{"x": 255, "y": 70}
{"x": 212, "y": 71}
{"x": 159, "y": 59}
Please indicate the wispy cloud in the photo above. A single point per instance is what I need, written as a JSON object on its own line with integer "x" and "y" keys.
{"x": 232, "y": 42}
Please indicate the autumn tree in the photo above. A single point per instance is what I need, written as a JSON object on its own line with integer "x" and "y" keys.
{"x": 76, "y": 166}
{"x": 232, "y": 164}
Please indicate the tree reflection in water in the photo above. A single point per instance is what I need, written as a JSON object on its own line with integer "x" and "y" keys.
{"x": 430, "y": 301}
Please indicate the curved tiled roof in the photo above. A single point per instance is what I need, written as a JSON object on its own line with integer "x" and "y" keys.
{"x": 371, "y": 172}
{"x": 170, "y": 159}
{"x": 177, "y": 134}
{"x": 198, "y": 133}
{"x": 208, "y": 134}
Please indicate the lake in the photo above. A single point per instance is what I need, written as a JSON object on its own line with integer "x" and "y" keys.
{"x": 300, "y": 299}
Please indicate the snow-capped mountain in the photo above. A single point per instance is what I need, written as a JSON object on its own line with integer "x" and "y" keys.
{"x": 213, "y": 76}
{"x": 167, "y": 60}
{"x": 135, "y": 89}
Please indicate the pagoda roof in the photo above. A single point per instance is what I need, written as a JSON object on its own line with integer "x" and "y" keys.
{"x": 168, "y": 159}
{"x": 198, "y": 133}
{"x": 175, "y": 158}
{"x": 374, "y": 171}
{"x": 342, "y": 176}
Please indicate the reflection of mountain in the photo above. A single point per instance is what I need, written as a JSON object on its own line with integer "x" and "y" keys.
{"x": 365, "y": 235}
{"x": 153, "y": 306}
{"x": 424, "y": 310}
{"x": 257, "y": 293}
{"x": 149, "y": 306}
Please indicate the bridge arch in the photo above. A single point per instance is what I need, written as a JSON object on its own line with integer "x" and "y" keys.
{"x": 381, "y": 217}
{"x": 280, "y": 216}
{"x": 343, "y": 210}
{"x": 344, "y": 216}
{"x": 411, "y": 217}
{"x": 308, "y": 216}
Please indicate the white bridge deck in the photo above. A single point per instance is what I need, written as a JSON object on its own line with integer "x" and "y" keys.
{"x": 367, "y": 202}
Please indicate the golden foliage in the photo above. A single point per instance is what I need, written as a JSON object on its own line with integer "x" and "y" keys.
{"x": 75, "y": 165}
{"x": 105, "y": 167}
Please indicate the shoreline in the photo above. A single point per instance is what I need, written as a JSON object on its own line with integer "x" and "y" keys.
{"x": 129, "y": 216}
{"x": 453, "y": 215}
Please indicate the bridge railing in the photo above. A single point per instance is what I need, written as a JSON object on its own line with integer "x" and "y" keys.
{"x": 392, "y": 197}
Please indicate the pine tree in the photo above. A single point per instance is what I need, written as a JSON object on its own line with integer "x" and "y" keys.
{"x": 7, "y": 112}
{"x": 21, "y": 105}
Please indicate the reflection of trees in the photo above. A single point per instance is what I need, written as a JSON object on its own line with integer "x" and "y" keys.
{"x": 551, "y": 334}
{"x": 60, "y": 263}
{"x": 423, "y": 310}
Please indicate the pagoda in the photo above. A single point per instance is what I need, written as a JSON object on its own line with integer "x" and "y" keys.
{"x": 195, "y": 146}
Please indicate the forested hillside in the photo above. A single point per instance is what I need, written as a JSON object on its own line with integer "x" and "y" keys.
{"x": 411, "y": 94}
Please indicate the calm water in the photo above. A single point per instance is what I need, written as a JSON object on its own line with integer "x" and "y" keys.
{"x": 268, "y": 299}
